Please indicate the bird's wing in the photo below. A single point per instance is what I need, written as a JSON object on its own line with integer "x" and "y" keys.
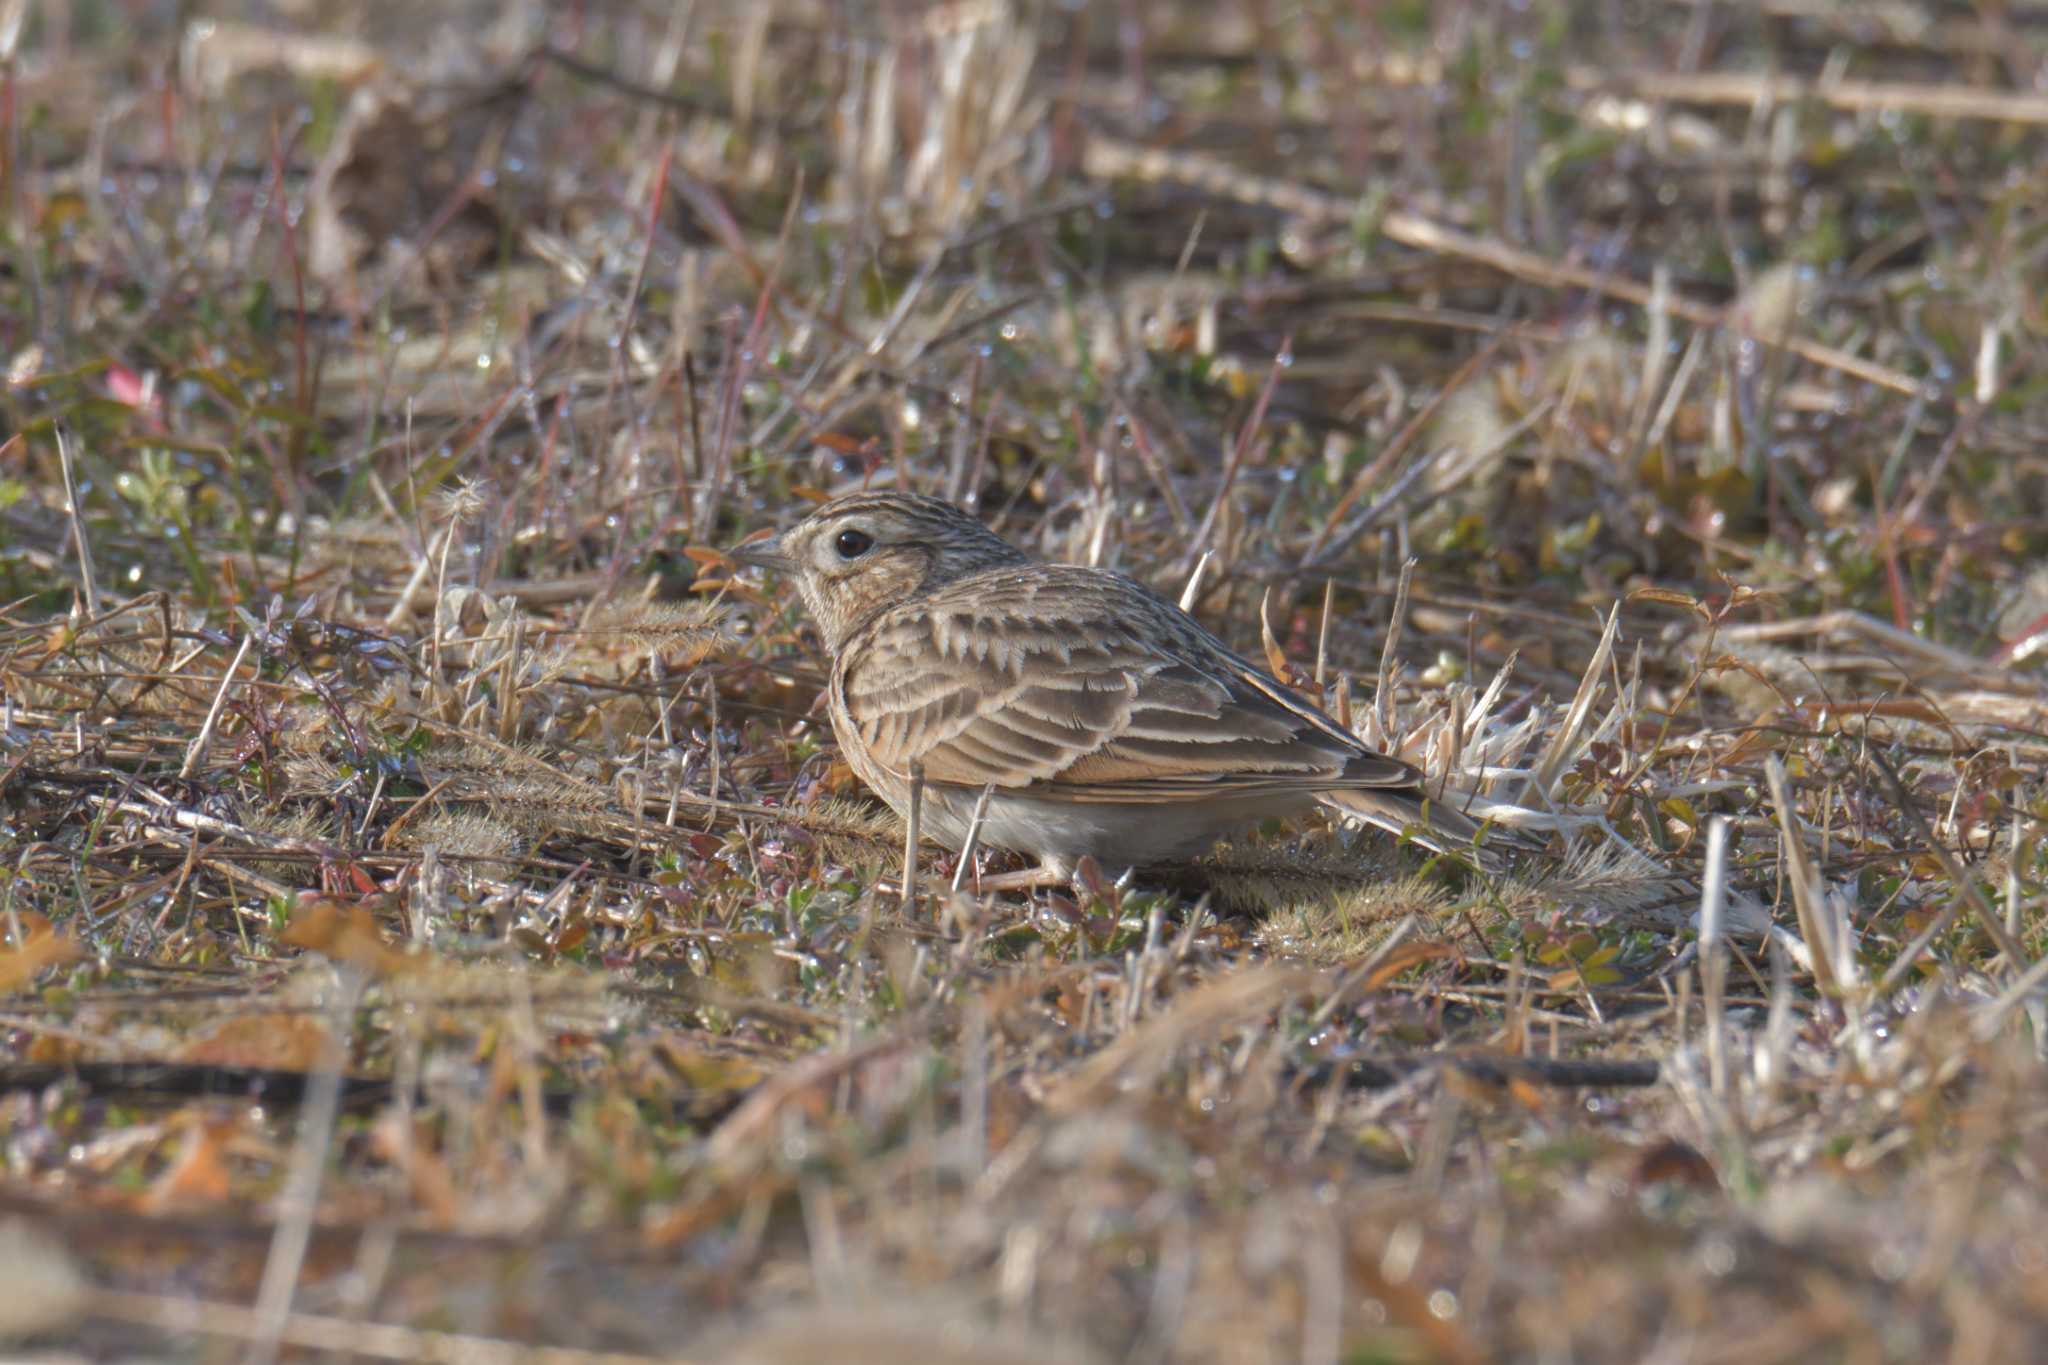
{"x": 1087, "y": 686}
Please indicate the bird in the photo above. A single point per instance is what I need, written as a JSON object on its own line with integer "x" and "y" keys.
{"x": 1083, "y": 714}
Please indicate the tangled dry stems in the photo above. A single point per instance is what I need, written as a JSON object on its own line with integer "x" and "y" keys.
{"x": 410, "y": 745}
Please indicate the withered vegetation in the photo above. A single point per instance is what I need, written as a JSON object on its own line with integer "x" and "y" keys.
{"x": 434, "y": 920}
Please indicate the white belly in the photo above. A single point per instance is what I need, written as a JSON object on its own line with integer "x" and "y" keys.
{"x": 1060, "y": 833}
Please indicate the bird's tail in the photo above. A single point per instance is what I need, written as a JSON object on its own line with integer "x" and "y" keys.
{"x": 1435, "y": 824}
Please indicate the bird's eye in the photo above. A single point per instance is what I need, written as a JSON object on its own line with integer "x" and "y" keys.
{"x": 853, "y": 544}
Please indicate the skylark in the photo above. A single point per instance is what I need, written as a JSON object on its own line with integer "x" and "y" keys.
{"x": 1101, "y": 718}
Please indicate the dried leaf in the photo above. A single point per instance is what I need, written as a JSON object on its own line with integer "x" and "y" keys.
{"x": 571, "y": 935}
{"x": 1666, "y": 596}
{"x": 1276, "y": 659}
{"x": 39, "y": 946}
{"x": 272, "y": 1040}
{"x": 53, "y": 1049}
{"x": 198, "y": 1177}
{"x": 1403, "y": 957}
{"x": 342, "y": 931}
{"x": 1675, "y": 1162}
{"x": 705, "y": 1072}
{"x": 432, "y": 1187}
{"x": 1681, "y": 810}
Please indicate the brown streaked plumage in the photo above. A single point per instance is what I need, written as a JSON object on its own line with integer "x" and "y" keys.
{"x": 1103, "y": 718}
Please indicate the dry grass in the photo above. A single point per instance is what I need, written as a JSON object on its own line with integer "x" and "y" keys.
{"x": 433, "y": 919}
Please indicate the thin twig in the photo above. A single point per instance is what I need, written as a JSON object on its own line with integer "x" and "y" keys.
{"x": 973, "y": 833}
{"x": 88, "y": 583}
{"x": 910, "y": 838}
{"x": 1987, "y": 918}
{"x": 180, "y": 1315}
{"x": 1109, "y": 158}
{"x": 1713, "y": 962}
{"x": 273, "y": 1310}
{"x": 197, "y": 751}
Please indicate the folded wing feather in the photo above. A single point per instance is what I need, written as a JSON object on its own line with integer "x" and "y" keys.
{"x": 1088, "y": 687}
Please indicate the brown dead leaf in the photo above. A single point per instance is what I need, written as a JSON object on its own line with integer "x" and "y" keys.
{"x": 708, "y": 1072}
{"x": 1485, "y": 1093}
{"x": 570, "y": 935}
{"x": 198, "y": 1177}
{"x": 39, "y": 945}
{"x": 345, "y": 932}
{"x": 839, "y": 779}
{"x": 426, "y": 1174}
{"x": 513, "y": 1069}
{"x": 1675, "y": 1162}
{"x": 1276, "y": 658}
{"x": 1669, "y": 597}
{"x": 53, "y": 1049}
{"x": 1751, "y": 742}
{"x": 1403, "y": 957}
{"x": 271, "y": 1041}
{"x": 24, "y": 925}
{"x": 56, "y": 642}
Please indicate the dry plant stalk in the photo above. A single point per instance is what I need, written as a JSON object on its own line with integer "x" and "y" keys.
{"x": 648, "y": 1058}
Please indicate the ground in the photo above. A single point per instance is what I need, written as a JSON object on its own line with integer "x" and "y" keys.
{"x": 435, "y": 920}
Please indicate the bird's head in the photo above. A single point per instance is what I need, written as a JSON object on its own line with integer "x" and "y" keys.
{"x": 865, "y": 552}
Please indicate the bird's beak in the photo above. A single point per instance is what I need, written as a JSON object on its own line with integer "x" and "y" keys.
{"x": 763, "y": 553}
